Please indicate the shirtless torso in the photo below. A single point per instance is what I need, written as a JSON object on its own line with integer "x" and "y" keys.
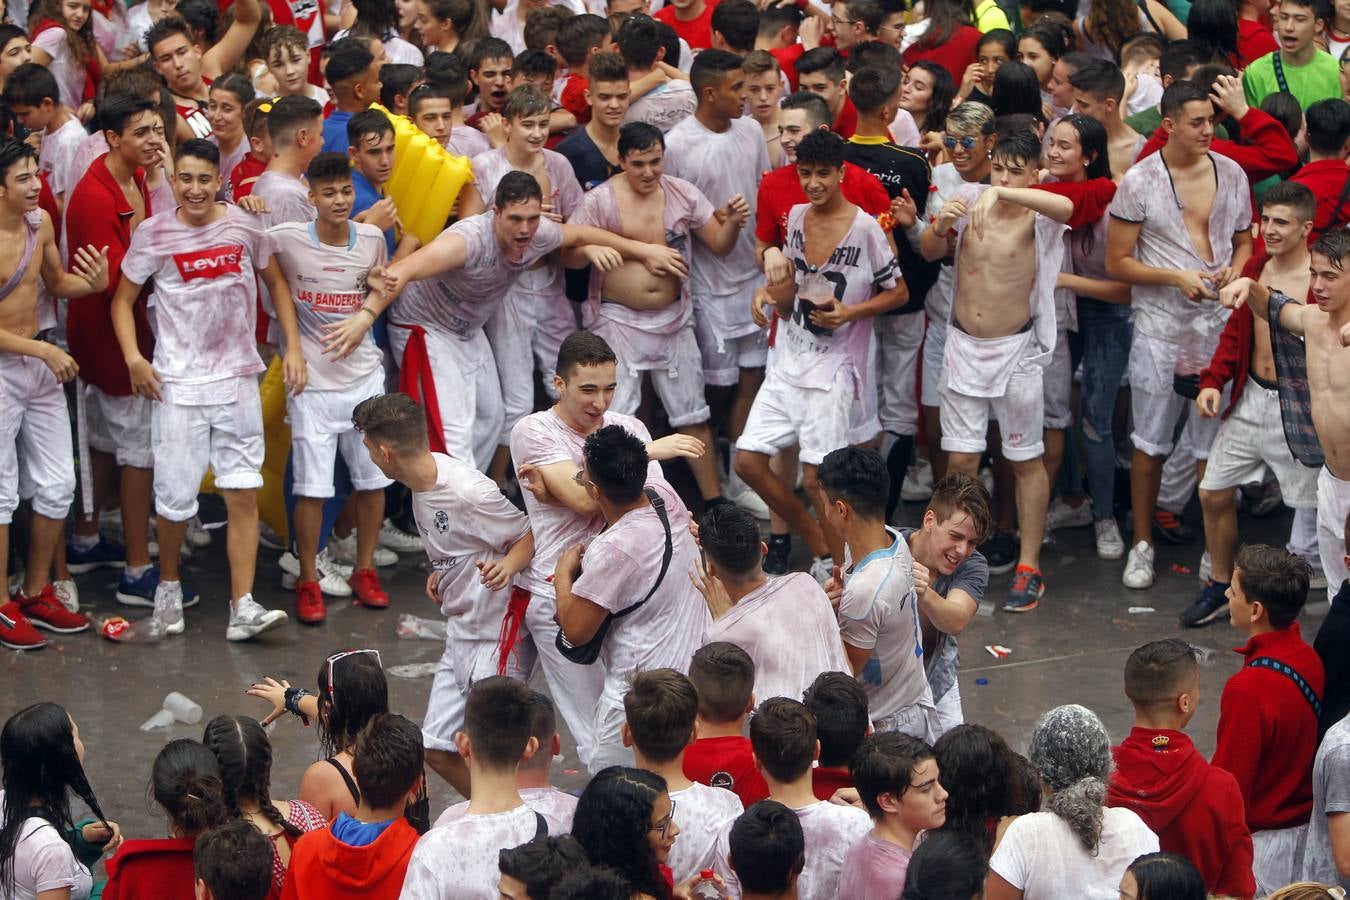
{"x": 1329, "y": 384}
{"x": 995, "y": 268}
{"x": 1289, "y": 274}
{"x": 1195, "y": 188}
{"x": 631, "y": 284}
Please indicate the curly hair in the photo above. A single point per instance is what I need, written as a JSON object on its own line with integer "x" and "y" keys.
{"x": 245, "y": 756}
{"x": 978, "y": 770}
{"x": 1110, "y": 23}
{"x": 1072, "y": 752}
{"x": 611, "y": 823}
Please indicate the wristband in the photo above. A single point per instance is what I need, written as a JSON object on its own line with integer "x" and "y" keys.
{"x": 368, "y": 311}
{"x": 292, "y": 703}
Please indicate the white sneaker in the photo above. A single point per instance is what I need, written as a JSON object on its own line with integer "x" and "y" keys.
{"x": 822, "y": 569}
{"x": 752, "y": 503}
{"x": 332, "y": 576}
{"x": 248, "y": 619}
{"x": 918, "y": 484}
{"x": 987, "y": 479}
{"x": 1110, "y": 545}
{"x": 197, "y": 535}
{"x": 1062, "y": 515}
{"x": 69, "y": 594}
{"x": 394, "y": 538}
{"x": 1139, "y": 567}
{"x": 169, "y": 606}
{"x": 343, "y": 550}
{"x": 1206, "y": 568}
{"x": 1317, "y": 583}
{"x": 268, "y": 537}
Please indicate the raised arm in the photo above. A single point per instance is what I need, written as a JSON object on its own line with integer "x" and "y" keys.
{"x": 1054, "y": 206}
{"x": 233, "y": 44}
{"x": 1257, "y": 296}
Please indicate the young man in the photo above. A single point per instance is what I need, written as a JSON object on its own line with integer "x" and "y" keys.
{"x": 878, "y": 611}
{"x": 285, "y": 50}
{"x": 367, "y": 853}
{"x": 476, "y": 542}
{"x": 548, "y": 450}
{"x": 1179, "y": 230}
{"x": 1002, "y": 333}
{"x": 580, "y": 38}
{"x": 767, "y": 851}
{"x": 1098, "y": 92}
{"x": 432, "y": 111}
{"x": 779, "y": 35}
{"x": 1267, "y": 732}
{"x": 692, "y": 21}
{"x": 650, "y": 319}
{"x": 660, "y": 712}
{"x": 647, "y": 542}
{"x": 113, "y": 200}
{"x": 783, "y": 734}
{"x": 1251, "y": 438}
{"x": 724, "y": 676}
{"x": 734, "y": 26}
{"x": 533, "y": 868}
{"x": 643, "y": 50}
{"x": 897, "y": 780}
{"x": 370, "y": 145}
{"x": 958, "y": 518}
{"x": 397, "y": 81}
{"x": 295, "y": 126}
{"x": 1326, "y": 858}
{"x": 1159, "y": 774}
{"x": 490, "y": 71}
{"x": 1299, "y": 67}
{"x": 459, "y": 858}
{"x": 593, "y": 150}
{"x": 764, "y": 93}
{"x": 839, "y": 704}
{"x": 748, "y": 608}
{"x": 1325, "y": 173}
{"x": 326, "y": 264}
{"x": 449, "y": 81}
{"x": 535, "y": 315}
{"x": 354, "y": 74}
{"x": 203, "y": 257}
{"x": 822, "y": 71}
{"x": 845, "y": 273}
{"x": 33, "y": 96}
{"x": 232, "y": 860}
{"x": 36, "y": 457}
{"x": 189, "y": 71}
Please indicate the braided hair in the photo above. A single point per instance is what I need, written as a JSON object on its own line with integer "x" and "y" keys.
{"x": 245, "y": 756}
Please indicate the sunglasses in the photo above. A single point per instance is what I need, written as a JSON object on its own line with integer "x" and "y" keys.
{"x": 966, "y": 142}
{"x": 664, "y": 825}
{"x": 332, "y": 689}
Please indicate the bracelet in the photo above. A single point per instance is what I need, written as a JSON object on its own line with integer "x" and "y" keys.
{"x": 292, "y": 703}
{"x": 368, "y": 311}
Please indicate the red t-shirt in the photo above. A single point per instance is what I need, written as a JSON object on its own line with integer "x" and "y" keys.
{"x": 1326, "y": 179}
{"x": 725, "y": 762}
{"x": 574, "y": 98}
{"x": 1254, "y": 41}
{"x": 781, "y": 189}
{"x": 697, "y": 32}
{"x": 847, "y": 123}
{"x": 152, "y": 868}
{"x": 826, "y": 780}
{"x": 787, "y": 61}
{"x": 245, "y": 174}
{"x": 953, "y": 54}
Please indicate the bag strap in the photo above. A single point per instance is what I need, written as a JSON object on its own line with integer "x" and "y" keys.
{"x": 659, "y": 505}
{"x": 351, "y": 785}
{"x": 1143, "y": 8}
{"x": 1274, "y": 665}
{"x": 1279, "y": 71}
{"x": 540, "y": 826}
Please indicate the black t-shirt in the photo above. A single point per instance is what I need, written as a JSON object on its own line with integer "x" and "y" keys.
{"x": 587, "y": 161}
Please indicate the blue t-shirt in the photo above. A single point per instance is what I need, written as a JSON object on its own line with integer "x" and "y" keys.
{"x": 335, "y": 132}
{"x": 367, "y": 195}
{"x": 358, "y": 834}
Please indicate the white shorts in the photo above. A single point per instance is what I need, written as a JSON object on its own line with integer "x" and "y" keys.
{"x": 1155, "y": 406}
{"x": 609, "y": 748}
{"x": 898, "y": 339}
{"x": 463, "y": 663}
{"x": 120, "y": 426}
{"x": 1058, "y": 385}
{"x": 1277, "y": 854}
{"x": 817, "y": 420}
{"x": 1249, "y": 440}
{"x": 724, "y": 357}
{"x": 468, "y": 393}
{"x": 226, "y": 437}
{"x": 37, "y": 461}
{"x": 947, "y": 713}
{"x": 679, "y": 385}
{"x": 919, "y": 720}
{"x": 527, "y": 322}
{"x": 1020, "y": 413}
{"x": 1333, "y": 504}
{"x": 321, "y": 427}
{"x": 934, "y": 348}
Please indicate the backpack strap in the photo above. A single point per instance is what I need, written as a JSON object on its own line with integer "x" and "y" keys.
{"x": 1278, "y": 66}
{"x": 540, "y": 826}
{"x": 659, "y": 505}
{"x": 1148, "y": 16}
{"x": 1288, "y": 671}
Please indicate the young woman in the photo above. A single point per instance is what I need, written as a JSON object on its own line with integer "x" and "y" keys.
{"x": 1110, "y": 23}
{"x": 245, "y": 757}
{"x": 63, "y": 41}
{"x": 1017, "y": 90}
{"x": 624, "y": 820}
{"x": 947, "y": 38}
{"x": 228, "y": 97}
{"x": 948, "y": 865}
{"x": 445, "y": 24}
{"x": 995, "y": 48}
{"x": 978, "y": 771}
{"x": 42, "y": 850}
{"x": 381, "y": 19}
{"x": 1163, "y": 876}
{"x": 185, "y": 782}
{"x": 926, "y": 94}
{"x": 1040, "y": 47}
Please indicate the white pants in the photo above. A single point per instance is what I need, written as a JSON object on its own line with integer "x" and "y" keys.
{"x": 1020, "y": 413}
{"x": 120, "y": 426}
{"x": 1303, "y": 536}
{"x": 817, "y": 420}
{"x": 321, "y": 427}
{"x": 1155, "y": 406}
{"x": 575, "y": 688}
{"x": 898, "y": 341}
{"x": 947, "y": 711}
{"x": 918, "y": 721}
{"x": 1333, "y": 504}
{"x": 724, "y": 354}
{"x": 37, "y": 461}
{"x": 609, "y": 748}
{"x": 1277, "y": 854}
{"x": 1249, "y": 440}
{"x": 463, "y": 663}
{"x": 679, "y": 385}
{"x": 526, "y": 323}
{"x": 226, "y": 437}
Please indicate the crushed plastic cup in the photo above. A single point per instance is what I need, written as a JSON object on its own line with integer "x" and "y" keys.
{"x": 182, "y": 709}
{"x": 415, "y": 628}
{"x": 161, "y": 719}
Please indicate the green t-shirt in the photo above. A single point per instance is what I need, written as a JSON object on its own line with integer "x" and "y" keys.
{"x": 1320, "y": 79}
{"x": 1148, "y": 121}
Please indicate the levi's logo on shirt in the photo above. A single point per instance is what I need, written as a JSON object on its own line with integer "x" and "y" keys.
{"x": 209, "y": 263}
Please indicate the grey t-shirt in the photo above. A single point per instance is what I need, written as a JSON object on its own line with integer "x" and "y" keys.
{"x": 1331, "y": 794}
{"x": 972, "y": 576}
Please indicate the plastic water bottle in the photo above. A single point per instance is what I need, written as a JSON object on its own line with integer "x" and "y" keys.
{"x": 706, "y": 887}
{"x": 127, "y": 631}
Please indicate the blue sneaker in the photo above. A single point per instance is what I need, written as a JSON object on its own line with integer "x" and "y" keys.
{"x": 1209, "y": 605}
{"x": 104, "y": 554}
{"x": 1027, "y": 589}
{"x": 141, "y": 591}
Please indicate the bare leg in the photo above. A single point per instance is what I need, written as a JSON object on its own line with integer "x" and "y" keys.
{"x": 833, "y": 539}
{"x": 1033, "y": 495}
{"x": 932, "y": 432}
{"x": 754, "y": 471}
{"x": 1221, "y": 530}
{"x": 967, "y": 463}
{"x": 241, "y": 507}
{"x": 308, "y": 518}
{"x": 369, "y": 517}
{"x": 346, "y": 519}
{"x": 45, "y": 536}
{"x": 1145, "y": 479}
{"x": 1054, "y": 452}
{"x": 451, "y": 767}
{"x": 704, "y": 467}
{"x": 60, "y": 571}
{"x": 170, "y": 547}
{"x": 497, "y": 469}
{"x": 746, "y": 389}
{"x": 136, "y": 487}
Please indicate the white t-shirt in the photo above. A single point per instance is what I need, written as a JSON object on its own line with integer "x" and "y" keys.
{"x": 458, "y": 860}
{"x": 619, "y": 568}
{"x": 43, "y": 861}
{"x": 829, "y": 832}
{"x": 946, "y": 182}
{"x": 557, "y": 807}
{"x": 1331, "y": 797}
{"x": 57, "y": 158}
{"x": 287, "y": 198}
{"x": 328, "y": 284}
{"x": 787, "y": 660}
{"x": 69, "y": 74}
{"x": 1043, "y": 859}
{"x": 878, "y": 612}
{"x": 465, "y": 519}
{"x": 665, "y": 106}
{"x": 467, "y": 141}
{"x": 702, "y": 812}
{"x": 205, "y": 299}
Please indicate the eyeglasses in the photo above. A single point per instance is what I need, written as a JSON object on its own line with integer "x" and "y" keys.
{"x": 581, "y": 479}
{"x": 332, "y": 689}
{"x": 966, "y": 142}
{"x": 838, "y": 22}
{"x": 664, "y": 825}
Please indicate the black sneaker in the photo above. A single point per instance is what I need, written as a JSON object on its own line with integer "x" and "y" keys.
{"x": 1172, "y": 528}
{"x": 1209, "y": 605}
{"x": 776, "y": 560}
{"x": 1000, "y": 551}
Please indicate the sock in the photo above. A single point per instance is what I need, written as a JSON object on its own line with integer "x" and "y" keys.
{"x": 780, "y": 538}
{"x": 84, "y": 541}
{"x": 897, "y": 461}
{"x": 1021, "y": 568}
{"x": 1219, "y": 584}
{"x": 134, "y": 572}
{"x": 714, "y": 502}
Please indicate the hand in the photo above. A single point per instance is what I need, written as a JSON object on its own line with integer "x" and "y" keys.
{"x": 384, "y": 280}
{"x": 606, "y": 259}
{"x": 811, "y": 31}
{"x": 433, "y": 588}
{"x": 110, "y": 835}
{"x": 847, "y": 796}
{"x": 1194, "y": 286}
{"x": 495, "y": 574}
{"x": 568, "y": 566}
{"x": 383, "y": 214}
{"x": 736, "y": 210}
{"x": 293, "y": 371}
{"x": 551, "y": 213}
{"x": 532, "y": 481}
{"x": 85, "y": 112}
{"x": 1207, "y": 402}
{"x": 931, "y": 142}
{"x": 833, "y": 316}
{"x": 713, "y": 590}
{"x": 904, "y": 210}
{"x": 34, "y": 140}
{"x": 1345, "y": 335}
{"x": 494, "y": 126}
{"x": 921, "y": 579}
{"x": 1131, "y": 85}
{"x": 760, "y": 305}
{"x": 340, "y": 339}
{"x": 979, "y": 213}
{"x": 974, "y": 75}
{"x": 253, "y": 204}
{"x": 834, "y": 588}
{"x": 693, "y": 533}
{"x": 1236, "y": 293}
{"x": 662, "y": 260}
{"x": 1224, "y": 277}
{"x": 145, "y": 381}
{"x": 1227, "y": 94}
{"x": 92, "y": 266}
{"x": 61, "y": 363}
{"x": 952, "y": 211}
{"x": 274, "y": 692}
{"x": 675, "y": 445}
{"x": 685, "y": 889}
{"x": 777, "y": 267}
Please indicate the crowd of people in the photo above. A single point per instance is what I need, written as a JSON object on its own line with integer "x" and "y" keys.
{"x": 833, "y": 256}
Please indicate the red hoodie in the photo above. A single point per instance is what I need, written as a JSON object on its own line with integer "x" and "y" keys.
{"x": 1190, "y": 805}
{"x": 323, "y": 866}
{"x": 152, "y": 868}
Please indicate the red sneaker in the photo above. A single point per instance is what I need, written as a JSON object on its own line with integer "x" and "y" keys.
{"x": 366, "y": 585}
{"x": 309, "y": 607}
{"x": 46, "y": 611}
{"x": 23, "y": 636}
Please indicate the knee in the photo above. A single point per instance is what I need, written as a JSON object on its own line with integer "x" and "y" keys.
{"x": 810, "y": 483}
{"x": 1216, "y": 502}
{"x": 750, "y": 465}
